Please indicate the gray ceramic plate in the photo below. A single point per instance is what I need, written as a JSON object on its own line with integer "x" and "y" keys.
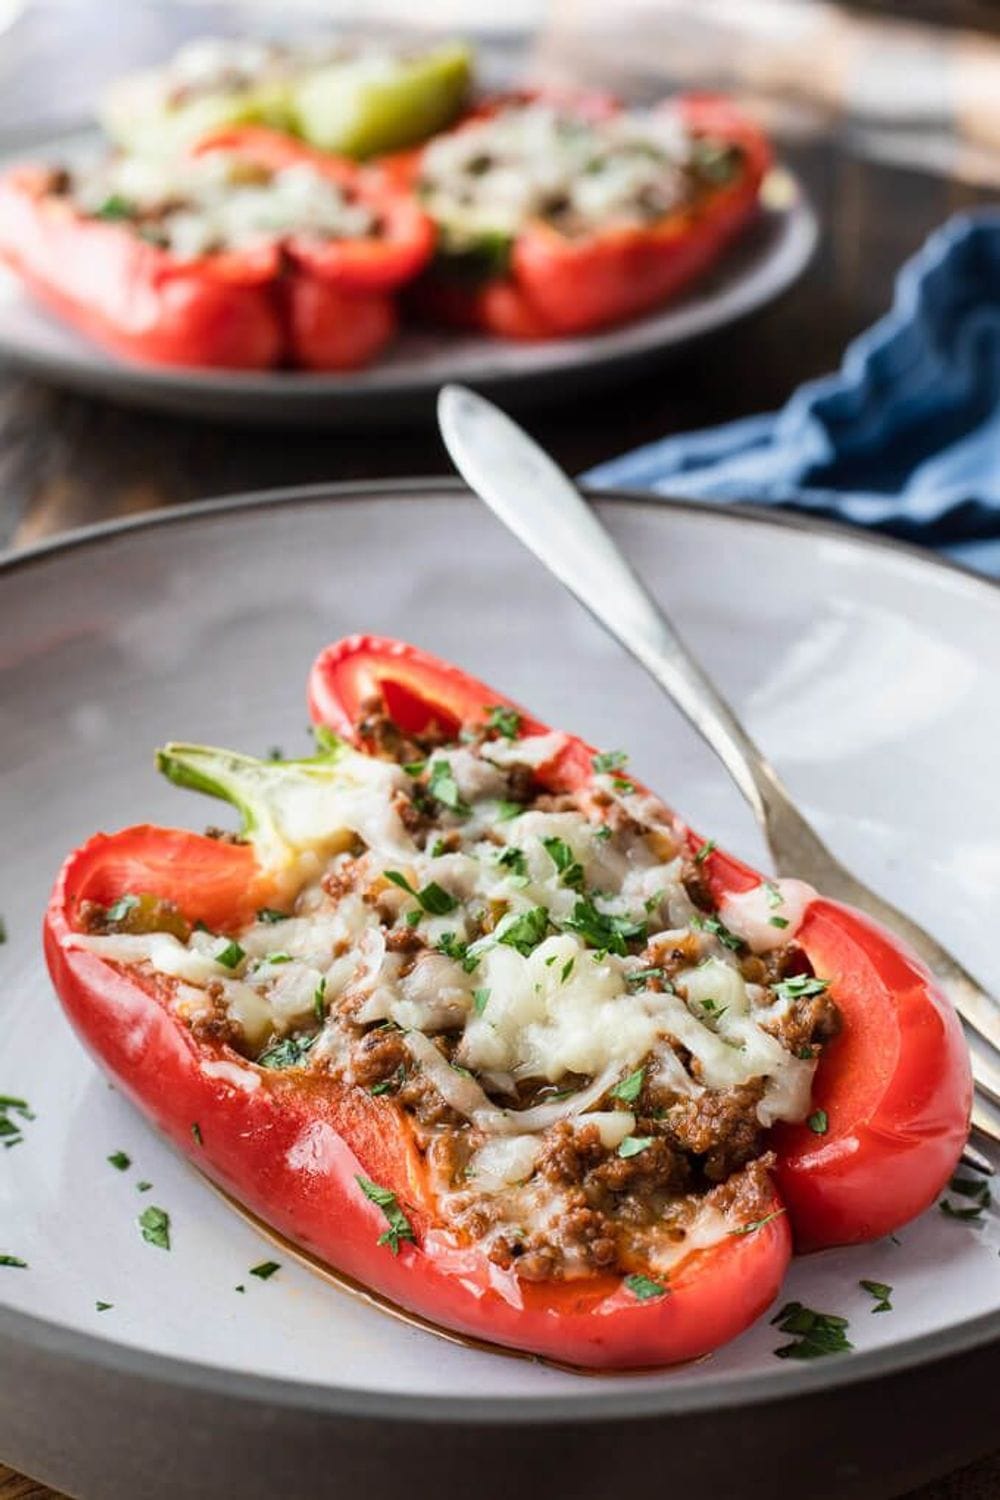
{"x": 401, "y": 386}
{"x": 871, "y": 675}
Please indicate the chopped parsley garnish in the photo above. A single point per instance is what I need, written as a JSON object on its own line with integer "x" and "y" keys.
{"x": 975, "y": 1190}
{"x": 634, "y": 1145}
{"x": 718, "y": 929}
{"x": 713, "y": 1009}
{"x": 230, "y": 955}
{"x": 444, "y": 788}
{"x": 631, "y": 1087}
{"x": 636, "y": 978}
{"x": 756, "y": 1224}
{"x": 103, "y": 1306}
{"x": 400, "y": 1227}
{"x": 277, "y": 958}
{"x": 706, "y": 849}
{"x": 513, "y": 859}
{"x": 800, "y": 987}
{"x": 524, "y": 930}
{"x": 275, "y": 752}
{"x": 143, "y": 1187}
{"x": 623, "y": 785}
{"x": 12, "y": 1131}
{"x": 778, "y": 921}
{"x": 390, "y": 1085}
{"x": 774, "y": 896}
{"x": 319, "y": 999}
{"x": 415, "y": 768}
{"x": 288, "y": 1053}
{"x": 265, "y": 1270}
{"x": 566, "y": 970}
{"x": 881, "y": 1291}
{"x": 14, "y": 1260}
{"x": 644, "y": 1288}
{"x": 271, "y": 914}
{"x": 196, "y": 1132}
{"x": 453, "y": 947}
{"x": 819, "y": 1122}
{"x": 155, "y": 1225}
{"x": 507, "y": 810}
{"x": 480, "y": 1000}
{"x": 433, "y": 898}
{"x": 120, "y": 909}
{"x": 601, "y": 930}
{"x": 561, "y": 856}
{"x": 120, "y": 1160}
{"x": 602, "y": 832}
{"x": 816, "y": 1334}
{"x": 506, "y": 721}
{"x": 609, "y": 760}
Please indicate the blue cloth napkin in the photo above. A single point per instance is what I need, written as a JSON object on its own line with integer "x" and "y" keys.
{"x": 905, "y": 437}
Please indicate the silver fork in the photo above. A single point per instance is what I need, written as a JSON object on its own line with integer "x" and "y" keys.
{"x": 527, "y": 490}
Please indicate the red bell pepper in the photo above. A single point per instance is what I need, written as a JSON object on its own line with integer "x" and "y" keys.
{"x": 895, "y": 1084}
{"x": 296, "y": 300}
{"x": 558, "y": 285}
{"x": 291, "y": 1145}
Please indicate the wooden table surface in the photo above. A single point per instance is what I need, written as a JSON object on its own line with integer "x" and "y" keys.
{"x": 66, "y": 460}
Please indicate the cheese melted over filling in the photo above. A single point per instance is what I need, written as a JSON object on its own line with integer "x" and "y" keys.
{"x": 589, "y": 1052}
{"x": 220, "y": 201}
{"x": 540, "y": 161}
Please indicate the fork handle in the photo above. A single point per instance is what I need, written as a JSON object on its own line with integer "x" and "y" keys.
{"x": 544, "y": 509}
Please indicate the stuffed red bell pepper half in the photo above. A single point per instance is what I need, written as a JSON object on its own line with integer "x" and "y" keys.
{"x": 251, "y": 251}
{"x": 558, "y": 215}
{"x": 469, "y": 1014}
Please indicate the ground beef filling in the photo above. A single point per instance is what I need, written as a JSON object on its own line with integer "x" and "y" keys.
{"x": 708, "y": 1150}
{"x": 703, "y": 1148}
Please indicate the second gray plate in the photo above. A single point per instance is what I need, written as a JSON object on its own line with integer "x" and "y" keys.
{"x": 401, "y": 386}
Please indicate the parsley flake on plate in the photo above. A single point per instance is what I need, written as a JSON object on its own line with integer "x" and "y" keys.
{"x": 155, "y": 1226}
{"x": 815, "y": 1334}
{"x": 881, "y": 1291}
{"x": 265, "y": 1270}
{"x": 12, "y": 1112}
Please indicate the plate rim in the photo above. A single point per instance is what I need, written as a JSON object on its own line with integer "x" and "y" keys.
{"x": 632, "y": 1401}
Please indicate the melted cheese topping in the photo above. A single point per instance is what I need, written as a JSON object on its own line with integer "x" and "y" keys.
{"x": 539, "y": 973}
{"x": 535, "y": 160}
{"x": 534, "y": 999}
{"x": 218, "y": 201}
